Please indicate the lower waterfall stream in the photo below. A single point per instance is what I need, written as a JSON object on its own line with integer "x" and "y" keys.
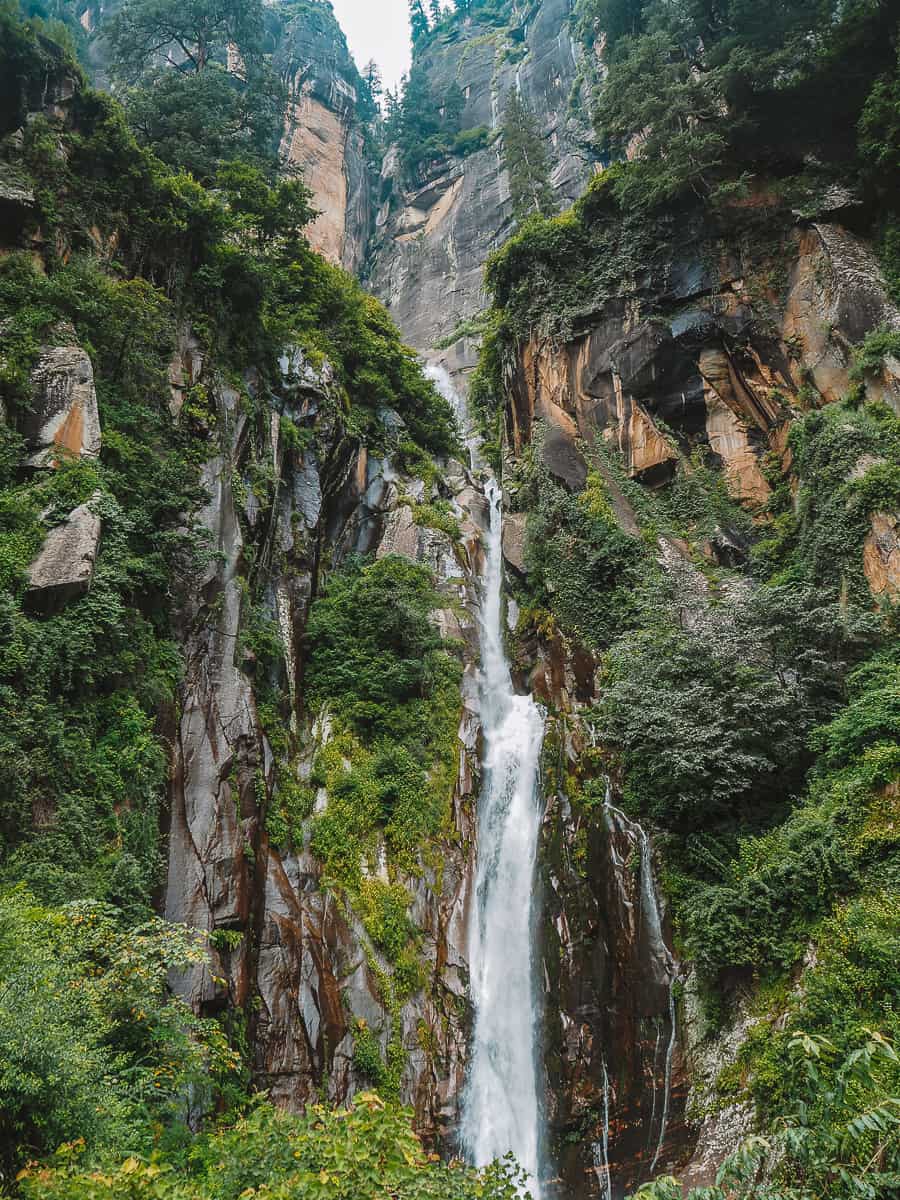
{"x": 501, "y": 1105}
{"x": 501, "y": 1108}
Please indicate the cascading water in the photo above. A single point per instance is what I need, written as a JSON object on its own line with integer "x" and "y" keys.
{"x": 659, "y": 957}
{"x": 501, "y": 1108}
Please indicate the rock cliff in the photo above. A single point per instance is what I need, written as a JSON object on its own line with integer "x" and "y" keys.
{"x": 431, "y": 241}
{"x": 324, "y": 136}
{"x": 305, "y": 967}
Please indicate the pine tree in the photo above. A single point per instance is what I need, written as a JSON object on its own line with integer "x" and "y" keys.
{"x": 525, "y": 160}
{"x": 372, "y": 90}
{"x": 418, "y": 21}
{"x": 436, "y": 15}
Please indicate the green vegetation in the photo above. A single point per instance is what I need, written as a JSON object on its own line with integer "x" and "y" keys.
{"x": 428, "y": 127}
{"x": 579, "y": 561}
{"x": 838, "y": 1139}
{"x": 93, "y": 1048}
{"x": 710, "y": 88}
{"x": 379, "y": 667}
{"x": 208, "y": 110}
{"x": 426, "y": 123}
{"x": 365, "y": 1153}
{"x": 847, "y": 459}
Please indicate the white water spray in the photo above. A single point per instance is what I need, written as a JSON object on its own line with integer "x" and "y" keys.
{"x": 601, "y": 1149}
{"x": 501, "y": 1108}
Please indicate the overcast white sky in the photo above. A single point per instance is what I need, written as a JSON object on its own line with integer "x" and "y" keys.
{"x": 377, "y": 29}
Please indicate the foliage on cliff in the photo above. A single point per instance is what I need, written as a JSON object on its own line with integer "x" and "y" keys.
{"x": 117, "y": 253}
{"x": 829, "y": 1144}
{"x": 378, "y": 667}
{"x": 707, "y": 88}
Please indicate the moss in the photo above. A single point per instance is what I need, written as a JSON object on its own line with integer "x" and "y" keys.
{"x": 438, "y": 515}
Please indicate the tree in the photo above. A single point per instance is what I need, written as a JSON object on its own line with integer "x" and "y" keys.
{"x": 191, "y": 98}
{"x": 372, "y": 91}
{"x": 198, "y": 120}
{"x": 435, "y": 10}
{"x": 525, "y": 160}
{"x": 693, "y": 87}
{"x": 418, "y": 22}
{"x": 91, "y": 1043}
{"x": 186, "y": 34}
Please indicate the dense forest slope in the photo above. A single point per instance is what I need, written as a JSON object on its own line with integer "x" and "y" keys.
{"x": 240, "y": 560}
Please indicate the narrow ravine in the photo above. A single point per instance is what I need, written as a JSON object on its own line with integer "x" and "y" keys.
{"x": 502, "y": 1112}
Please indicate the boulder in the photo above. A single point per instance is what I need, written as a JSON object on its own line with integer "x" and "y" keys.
{"x": 64, "y": 567}
{"x": 881, "y": 555}
{"x": 514, "y": 541}
{"x": 64, "y": 410}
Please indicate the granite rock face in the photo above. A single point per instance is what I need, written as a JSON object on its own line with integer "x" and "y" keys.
{"x": 324, "y": 136}
{"x": 709, "y": 357}
{"x": 63, "y": 418}
{"x": 64, "y": 568}
{"x": 432, "y": 239}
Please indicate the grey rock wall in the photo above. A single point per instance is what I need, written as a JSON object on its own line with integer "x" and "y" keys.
{"x": 295, "y": 956}
{"x": 431, "y": 242}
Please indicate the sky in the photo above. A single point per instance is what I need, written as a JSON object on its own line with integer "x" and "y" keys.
{"x": 377, "y": 29}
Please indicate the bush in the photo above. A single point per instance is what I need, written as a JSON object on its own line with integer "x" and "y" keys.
{"x": 581, "y": 563}
{"x": 364, "y": 1153}
{"x": 91, "y": 1045}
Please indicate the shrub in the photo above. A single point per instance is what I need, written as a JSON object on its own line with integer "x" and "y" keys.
{"x": 363, "y": 1153}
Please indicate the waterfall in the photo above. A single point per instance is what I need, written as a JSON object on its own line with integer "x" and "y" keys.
{"x": 501, "y": 1107}
{"x": 601, "y": 1150}
{"x": 664, "y": 964}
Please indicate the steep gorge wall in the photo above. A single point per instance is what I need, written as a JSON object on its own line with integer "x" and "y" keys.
{"x": 717, "y": 346}
{"x": 324, "y": 136}
{"x": 305, "y": 969}
{"x": 431, "y": 241}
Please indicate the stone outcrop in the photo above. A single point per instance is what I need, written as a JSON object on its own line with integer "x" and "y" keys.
{"x": 324, "y": 136}
{"x": 616, "y": 1073}
{"x": 837, "y": 295}
{"x": 433, "y": 237}
{"x": 722, "y": 364}
{"x": 722, "y": 1124}
{"x": 63, "y": 417}
{"x": 64, "y": 568}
